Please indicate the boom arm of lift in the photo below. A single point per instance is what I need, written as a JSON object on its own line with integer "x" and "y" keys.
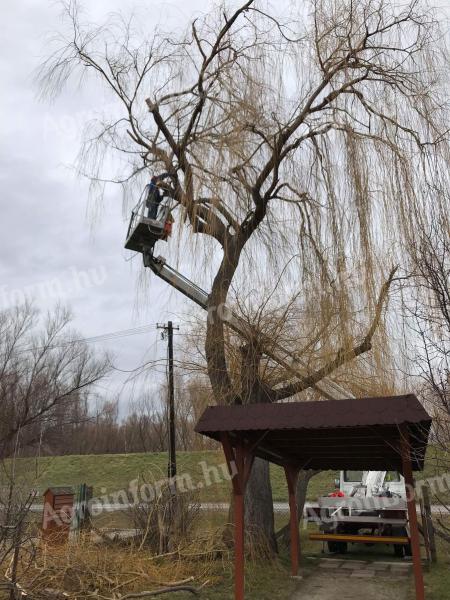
{"x": 276, "y": 352}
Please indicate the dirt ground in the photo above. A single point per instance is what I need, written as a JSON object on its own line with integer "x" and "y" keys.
{"x": 356, "y": 579}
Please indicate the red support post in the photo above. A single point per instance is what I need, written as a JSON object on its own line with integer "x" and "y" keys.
{"x": 412, "y": 514}
{"x": 292, "y": 480}
{"x": 239, "y": 547}
{"x": 239, "y": 461}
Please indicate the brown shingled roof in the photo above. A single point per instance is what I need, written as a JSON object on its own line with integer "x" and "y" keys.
{"x": 61, "y": 490}
{"x": 360, "y": 433}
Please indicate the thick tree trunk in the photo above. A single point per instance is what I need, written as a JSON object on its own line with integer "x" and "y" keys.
{"x": 215, "y": 337}
{"x": 259, "y": 518}
{"x": 302, "y": 489}
{"x": 284, "y": 534}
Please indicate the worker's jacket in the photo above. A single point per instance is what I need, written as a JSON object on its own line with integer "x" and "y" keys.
{"x": 154, "y": 195}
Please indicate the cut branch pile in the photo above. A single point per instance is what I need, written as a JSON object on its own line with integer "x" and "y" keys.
{"x": 88, "y": 570}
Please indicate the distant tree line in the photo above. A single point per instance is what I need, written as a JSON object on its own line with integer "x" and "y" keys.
{"x": 50, "y": 403}
{"x": 143, "y": 429}
{"x": 46, "y": 374}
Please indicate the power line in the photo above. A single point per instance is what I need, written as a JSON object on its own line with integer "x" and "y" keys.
{"x": 113, "y": 335}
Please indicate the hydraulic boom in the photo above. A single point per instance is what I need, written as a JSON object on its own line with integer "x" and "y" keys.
{"x": 275, "y": 351}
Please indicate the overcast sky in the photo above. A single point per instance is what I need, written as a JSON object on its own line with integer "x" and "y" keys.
{"x": 48, "y": 248}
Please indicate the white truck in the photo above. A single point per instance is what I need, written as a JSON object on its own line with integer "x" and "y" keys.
{"x": 368, "y": 507}
{"x": 371, "y": 483}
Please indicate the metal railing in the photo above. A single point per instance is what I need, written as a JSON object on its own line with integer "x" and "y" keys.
{"x": 141, "y": 210}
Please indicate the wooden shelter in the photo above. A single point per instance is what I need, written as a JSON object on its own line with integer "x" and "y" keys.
{"x": 383, "y": 433}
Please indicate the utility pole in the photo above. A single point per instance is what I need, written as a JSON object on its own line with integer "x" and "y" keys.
{"x": 172, "y": 465}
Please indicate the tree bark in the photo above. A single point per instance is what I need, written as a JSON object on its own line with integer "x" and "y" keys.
{"x": 259, "y": 516}
{"x": 302, "y": 489}
{"x": 215, "y": 336}
{"x": 284, "y": 534}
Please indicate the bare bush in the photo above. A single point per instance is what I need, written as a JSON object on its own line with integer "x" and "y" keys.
{"x": 167, "y": 520}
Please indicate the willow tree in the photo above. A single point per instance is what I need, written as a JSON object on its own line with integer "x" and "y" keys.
{"x": 297, "y": 146}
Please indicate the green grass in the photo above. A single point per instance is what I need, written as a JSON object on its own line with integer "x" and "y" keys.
{"x": 109, "y": 473}
{"x": 265, "y": 581}
{"x": 437, "y": 579}
{"x": 437, "y": 582}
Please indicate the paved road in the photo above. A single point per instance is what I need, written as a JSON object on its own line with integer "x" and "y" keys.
{"x": 279, "y": 507}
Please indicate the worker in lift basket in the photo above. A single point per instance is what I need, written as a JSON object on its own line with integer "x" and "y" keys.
{"x": 155, "y": 194}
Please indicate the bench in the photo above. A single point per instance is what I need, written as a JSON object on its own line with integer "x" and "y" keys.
{"x": 362, "y": 539}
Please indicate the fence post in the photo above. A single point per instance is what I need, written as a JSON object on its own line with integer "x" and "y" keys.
{"x": 428, "y": 525}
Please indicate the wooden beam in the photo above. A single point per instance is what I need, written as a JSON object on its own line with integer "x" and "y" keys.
{"x": 363, "y": 539}
{"x": 239, "y": 547}
{"x": 230, "y": 457}
{"x": 292, "y": 480}
{"x": 240, "y": 461}
{"x": 405, "y": 448}
{"x": 429, "y": 522}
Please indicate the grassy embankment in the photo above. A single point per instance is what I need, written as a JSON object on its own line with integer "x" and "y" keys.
{"x": 110, "y": 473}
